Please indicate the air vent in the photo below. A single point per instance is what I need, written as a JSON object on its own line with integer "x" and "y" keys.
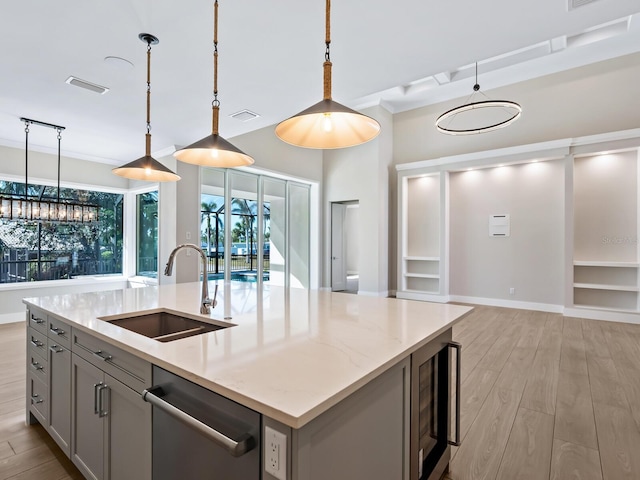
{"x": 579, "y": 3}
{"x": 77, "y": 82}
{"x": 244, "y": 115}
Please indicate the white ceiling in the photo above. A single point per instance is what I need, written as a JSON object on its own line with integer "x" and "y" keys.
{"x": 401, "y": 54}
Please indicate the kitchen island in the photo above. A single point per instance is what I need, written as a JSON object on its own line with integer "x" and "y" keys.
{"x": 296, "y": 357}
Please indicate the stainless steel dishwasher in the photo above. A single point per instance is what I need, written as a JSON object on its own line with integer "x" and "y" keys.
{"x": 198, "y": 434}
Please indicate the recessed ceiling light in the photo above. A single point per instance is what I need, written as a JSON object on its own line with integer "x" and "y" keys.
{"x": 244, "y": 115}
{"x": 118, "y": 62}
{"x": 78, "y": 82}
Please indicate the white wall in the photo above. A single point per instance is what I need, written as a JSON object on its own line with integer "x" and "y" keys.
{"x": 584, "y": 101}
{"x": 362, "y": 173}
{"x": 43, "y": 166}
{"x": 531, "y": 260}
{"x": 605, "y": 213}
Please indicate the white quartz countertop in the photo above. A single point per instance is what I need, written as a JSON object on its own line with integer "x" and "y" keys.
{"x": 291, "y": 354}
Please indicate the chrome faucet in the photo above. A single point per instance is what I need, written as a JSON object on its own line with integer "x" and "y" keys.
{"x": 206, "y": 302}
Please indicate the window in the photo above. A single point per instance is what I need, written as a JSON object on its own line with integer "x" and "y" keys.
{"x": 276, "y": 250}
{"x": 41, "y": 250}
{"x": 147, "y": 234}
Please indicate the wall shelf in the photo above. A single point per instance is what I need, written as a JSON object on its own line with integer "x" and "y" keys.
{"x": 606, "y": 270}
{"x": 594, "y": 263}
{"x": 421, "y": 275}
{"x": 615, "y": 288}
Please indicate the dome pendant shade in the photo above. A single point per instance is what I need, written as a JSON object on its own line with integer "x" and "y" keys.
{"x": 213, "y": 151}
{"x": 326, "y": 125}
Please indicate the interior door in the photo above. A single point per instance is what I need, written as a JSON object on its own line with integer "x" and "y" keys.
{"x": 338, "y": 258}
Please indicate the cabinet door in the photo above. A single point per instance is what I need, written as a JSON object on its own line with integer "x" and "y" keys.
{"x": 60, "y": 396}
{"x": 88, "y": 427}
{"x": 129, "y": 443}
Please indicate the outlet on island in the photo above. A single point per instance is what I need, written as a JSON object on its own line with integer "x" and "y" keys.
{"x": 275, "y": 453}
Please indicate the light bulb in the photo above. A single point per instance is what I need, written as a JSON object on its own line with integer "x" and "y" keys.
{"x": 327, "y": 124}
{"x": 214, "y": 153}
{"x": 147, "y": 171}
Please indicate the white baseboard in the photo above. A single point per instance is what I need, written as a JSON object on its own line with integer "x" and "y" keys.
{"x": 605, "y": 315}
{"x": 12, "y": 317}
{"x": 423, "y": 297}
{"x": 373, "y": 294}
{"x": 498, "y": 302}
{"x": 325, "y": 289}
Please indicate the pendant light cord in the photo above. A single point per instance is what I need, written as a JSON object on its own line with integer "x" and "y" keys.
{"x": 59, "y": 142}
{"x": 327, "y": 54}
{"x": 215, "y": 105}
{"x": 148, "y": 135}
{"x": 26, "y": 160}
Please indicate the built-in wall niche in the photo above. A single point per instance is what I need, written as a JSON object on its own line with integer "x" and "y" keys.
{"x": 605, "y": 252}
{"x": 420, "y": 268}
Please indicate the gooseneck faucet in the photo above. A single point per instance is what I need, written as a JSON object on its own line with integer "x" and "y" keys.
{"x": 206, "y": 302}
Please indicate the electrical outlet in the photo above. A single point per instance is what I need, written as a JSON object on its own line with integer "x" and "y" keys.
{"x": 188, "y": 235}
{"x": 275, "y": 453}
{"x": 512, "y": 291}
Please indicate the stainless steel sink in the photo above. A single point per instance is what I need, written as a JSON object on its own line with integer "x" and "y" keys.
{"x": 165, "y": 326}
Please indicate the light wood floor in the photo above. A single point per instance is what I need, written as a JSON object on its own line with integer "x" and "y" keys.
{"x": 26, "y": 453}
{"x": 547, "y": 397}
{"x": 543, "y": 397}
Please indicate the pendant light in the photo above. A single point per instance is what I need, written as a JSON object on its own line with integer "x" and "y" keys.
{"x": 147, "y": 168}
{"x": 505, "y": 107}
{"x": 28, "y": 209}
{"x": 328, "y": 124}
{"x": 213, "y": 150}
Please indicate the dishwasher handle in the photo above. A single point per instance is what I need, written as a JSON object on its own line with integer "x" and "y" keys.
{"x": 235, "y": 448}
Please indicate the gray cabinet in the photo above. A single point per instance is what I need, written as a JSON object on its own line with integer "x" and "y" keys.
{"x": 364, "y": 436}
{"x": 111, "y": 425}
{"x": 87, "y": 394}
{"x": 60, "y": 396}
{"x": 87, "y": 423}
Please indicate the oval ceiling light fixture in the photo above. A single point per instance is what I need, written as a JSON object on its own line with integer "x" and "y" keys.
{"x": 147, "y": 168}
{"x": 328, "y": 124}
{"x": 504, "y": 112}
{"x": 213, "y": 150}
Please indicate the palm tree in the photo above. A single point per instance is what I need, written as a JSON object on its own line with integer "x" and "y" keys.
{"x": 207, "y": 209}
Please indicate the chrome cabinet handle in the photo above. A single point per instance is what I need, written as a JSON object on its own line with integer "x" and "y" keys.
{"x": 56, "y": 330}
{"x": 235, "y": 448}
{"x": 96, "y": 387}
{"x": 56, "y": 349}
{"x": 38, "y": 320}
{"x": 36, "y": 343}
{"x": 36, "y": 399}
{"x": 102, "y": 356}
{"x": 458, "y": 348}
{"x": 36, "y": 366}
{"x": 102, "y": 411}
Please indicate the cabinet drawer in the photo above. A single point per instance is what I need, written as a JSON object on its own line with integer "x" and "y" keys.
{"x": 37, "y": 366}
{"x": 39, "y": 399}
{"x": 124, "y": 366}
{"x": 59, "y": 333}
{"x": 37, "y": 341}
{"x": 37, "y": 319}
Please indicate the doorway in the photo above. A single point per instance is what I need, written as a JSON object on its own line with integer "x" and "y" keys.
{"x": 345, "y": 246}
